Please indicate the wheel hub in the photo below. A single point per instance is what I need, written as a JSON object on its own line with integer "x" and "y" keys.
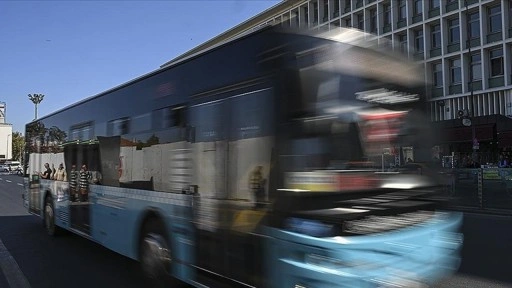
{"x": 156, "y": 256}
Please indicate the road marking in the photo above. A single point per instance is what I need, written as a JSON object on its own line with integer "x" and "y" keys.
{"x": 21, "y": 184}
{"x": 12, "y": 271}
{"x": 8, "y": 181}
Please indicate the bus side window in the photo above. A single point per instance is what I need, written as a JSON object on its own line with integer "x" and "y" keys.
{"x": 168, "y": 117}
{"x": 118, "y": 127}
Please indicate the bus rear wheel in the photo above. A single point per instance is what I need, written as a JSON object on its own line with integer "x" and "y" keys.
{"x": 155, "y": 254}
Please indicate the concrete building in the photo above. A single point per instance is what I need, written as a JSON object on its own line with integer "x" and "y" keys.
{"x": 5, "y": 135}
{"x": 464, "y": 46}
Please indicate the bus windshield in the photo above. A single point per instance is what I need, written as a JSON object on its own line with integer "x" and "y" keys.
{"x": 347, "y": 119}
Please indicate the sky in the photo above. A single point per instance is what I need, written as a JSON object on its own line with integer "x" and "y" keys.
{"x": 71, "y": 50}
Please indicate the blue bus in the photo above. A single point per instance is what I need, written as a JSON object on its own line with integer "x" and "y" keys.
{"x": 267, "y": 161}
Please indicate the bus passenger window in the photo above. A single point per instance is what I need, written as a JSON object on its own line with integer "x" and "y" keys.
{"x": 172, "y": 116}
{"x": 118, "y": 127}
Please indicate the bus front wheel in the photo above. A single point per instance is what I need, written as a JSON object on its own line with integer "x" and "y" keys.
{"x": 155, "y": 255}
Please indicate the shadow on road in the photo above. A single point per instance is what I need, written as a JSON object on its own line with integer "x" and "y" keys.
{"x": 487, "y": 250}
{"x": 65, "y": 261}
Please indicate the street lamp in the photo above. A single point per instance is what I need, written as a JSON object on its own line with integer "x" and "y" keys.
{"x": 7, "y": 148}
{"x": 36, "y": 99}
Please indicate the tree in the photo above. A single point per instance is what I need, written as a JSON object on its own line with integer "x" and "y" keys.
{"x": 18, "y": 146}
{"x": 152, "y": 140}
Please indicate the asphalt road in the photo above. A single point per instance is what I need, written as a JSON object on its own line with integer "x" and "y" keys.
{"x": 65, "y": 261}
{"x": 72, "y": 261}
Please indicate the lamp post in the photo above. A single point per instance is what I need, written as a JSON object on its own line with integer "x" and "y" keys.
{"x": 7, "y": 147}
{"x": 36, "y": 99}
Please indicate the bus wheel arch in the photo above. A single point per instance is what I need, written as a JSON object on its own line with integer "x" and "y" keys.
{"x": 154, "y": 249}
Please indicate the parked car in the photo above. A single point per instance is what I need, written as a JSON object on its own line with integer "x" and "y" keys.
{"x": 13, "y": 167}
{"x": 5, "y": 168}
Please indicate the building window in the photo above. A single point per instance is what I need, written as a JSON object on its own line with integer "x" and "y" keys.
{"x": 510, "y": 14}
{"x": 306, "y": 15}
{"x": 495, "y": 19}
{"x": 315, "y": 10}
{"x": 454, "y": 32}
{"x": 436, "y": 36}
{"x": 496, "y": 57}
{"x": 141, "y": 123}
{"x": 79, "y": 132}
{"x": 476, "y": 67}
{"x": 434, "y": 4}
{"x": 418, "y": 40}
{"x": 474, "y": 25}
{"x": 418, "y": 7}
{"x": 326, "y": 11}
{"x": 373, "y": 20}
{"x": 168, "y": 117}
{"x": 455, "y": 72}
{"x": 360, "y": 21}
{"x": 402, "y": 10}
{"x": 348, "y": 23}
{"x": 336, "y": 11}
{"x": 387, "y": 14}
{"x": 437, "y": 75}
{"x": 402, "y": 39}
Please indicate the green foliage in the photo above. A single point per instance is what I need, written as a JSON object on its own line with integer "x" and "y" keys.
{"x": 153, "y": 140}
{"x": 18, "y": 145}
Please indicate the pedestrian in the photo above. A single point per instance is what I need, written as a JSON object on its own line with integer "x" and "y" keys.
{"x": 60, "y": 174}
{"x": 47, "y": 173}
{"x": 257, "y": 185}
{"x": 503, "y": 163}
{"x": 73, "y": 184}
{"x": 83, "y": 183}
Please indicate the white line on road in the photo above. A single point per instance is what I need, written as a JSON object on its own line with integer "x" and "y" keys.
{"x": 21, "y": 184}
{"x": 12, "y": 271}
{"x": 8, "y": 181}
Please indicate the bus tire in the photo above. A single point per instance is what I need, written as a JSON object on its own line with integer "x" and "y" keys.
{"x": 154, "y": 252}
{"x": 49, "y": 217}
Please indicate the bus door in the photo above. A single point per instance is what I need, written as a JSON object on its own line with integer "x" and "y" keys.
{"x": 84, "y": 166}
{"x": 248, "y": 164}
{"x": 33, "y": 184}
{"x": 232, "y": 139}
{"x": 209, "y": 147}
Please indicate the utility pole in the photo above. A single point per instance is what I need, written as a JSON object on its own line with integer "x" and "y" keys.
{"x": 36, "y": 99}
{"x": 470, "y": 84}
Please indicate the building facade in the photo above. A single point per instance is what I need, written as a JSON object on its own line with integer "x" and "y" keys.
{"x": 465, "y": 48}
{"x": 5, "y": 135}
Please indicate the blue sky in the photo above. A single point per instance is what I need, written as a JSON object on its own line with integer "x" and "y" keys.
{"x": 71, "y": 50}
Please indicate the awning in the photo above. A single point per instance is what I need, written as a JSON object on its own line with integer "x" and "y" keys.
{"x": 505, "y": 139}
{"x": 465, "y": 134}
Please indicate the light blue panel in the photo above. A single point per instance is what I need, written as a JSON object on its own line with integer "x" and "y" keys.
{"x": 425, "y": 252}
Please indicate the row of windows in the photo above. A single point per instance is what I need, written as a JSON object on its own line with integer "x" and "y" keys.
{"x": 160, "y": 119}
{"x": 454, "y": 32}
{"x": 237, "y": 117}
{"x": 474, "y": 64}
{"x": 390, "y": 12}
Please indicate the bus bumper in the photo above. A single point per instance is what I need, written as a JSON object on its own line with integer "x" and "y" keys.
{"x": 417, "y": 256}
